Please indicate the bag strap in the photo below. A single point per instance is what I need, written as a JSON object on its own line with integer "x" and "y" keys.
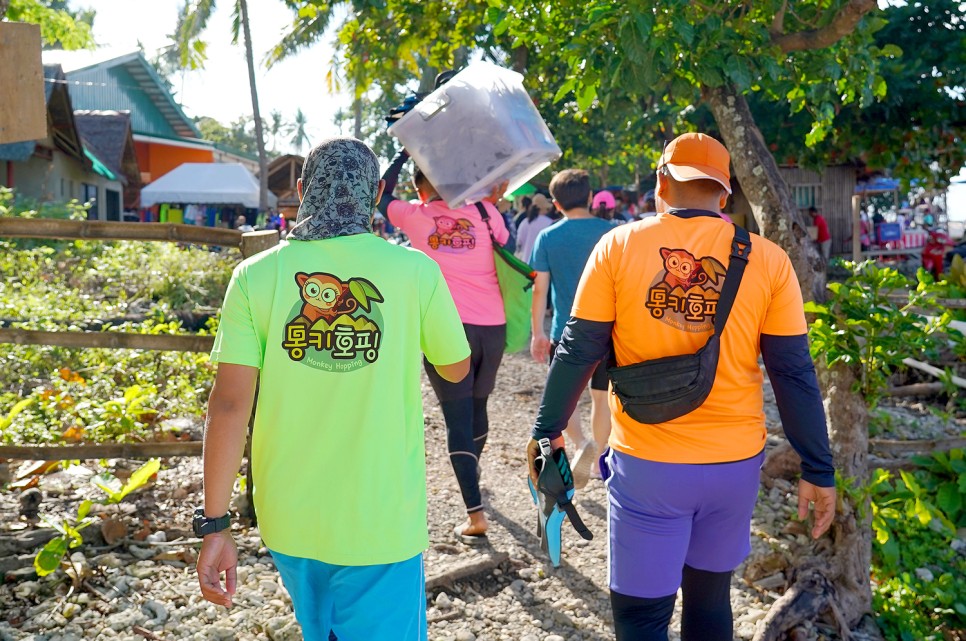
{"x": 485, "y": 215}
{"x": 740, "y": 248}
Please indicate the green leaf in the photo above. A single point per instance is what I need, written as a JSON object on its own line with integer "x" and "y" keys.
{"x": 644, "y": 21}
{"x": 16, "y": 409}
{"x": 565, "y": 89}
{"x": 84, "y": 509}
{"x": 110, "y": 484}
{"x": 948, "y": 499}
{"x": 140, "y": 476}
{"x": 737, "y": 70}
{"x": 50, "y": 556}
{"x": 683, "y": 29}
{"x": 585, "y": 97}
{"x": 879, "y": 88}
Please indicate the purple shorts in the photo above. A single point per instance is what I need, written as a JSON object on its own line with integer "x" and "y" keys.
{"x": 665, "y": 515}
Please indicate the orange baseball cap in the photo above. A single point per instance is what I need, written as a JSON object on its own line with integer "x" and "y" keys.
{"x": 697, "y": 157}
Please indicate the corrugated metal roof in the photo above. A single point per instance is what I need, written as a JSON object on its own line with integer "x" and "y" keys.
{"x": 125, "y": 82}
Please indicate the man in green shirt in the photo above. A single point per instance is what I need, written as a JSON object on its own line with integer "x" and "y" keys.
{"x": 332, "y": 324}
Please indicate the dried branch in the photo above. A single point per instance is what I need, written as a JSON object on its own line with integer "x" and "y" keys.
{"x": 841, "y": 25}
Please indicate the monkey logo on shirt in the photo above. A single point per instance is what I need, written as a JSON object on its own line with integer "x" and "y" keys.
{"x": 338, "y": 318}
{"x": 685, "y": 294}
{"x": 452, "y": 235}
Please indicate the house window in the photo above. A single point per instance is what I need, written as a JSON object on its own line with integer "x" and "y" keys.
{"x": 89, "y": 194}
{"x": 807, "y": 196}
{"x": 112, "y": 204}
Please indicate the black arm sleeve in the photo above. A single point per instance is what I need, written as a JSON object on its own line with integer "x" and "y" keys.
{"x": 583, "y": 345}
{"x": 799, "y": 400}
{"x": 392, "y": 179}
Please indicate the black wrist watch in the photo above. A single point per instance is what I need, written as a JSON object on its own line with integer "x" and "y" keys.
{"x": 203, "y": 525}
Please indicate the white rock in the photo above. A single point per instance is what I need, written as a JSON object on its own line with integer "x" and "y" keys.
{"x": 157, "y": 537}
{"x": 443, "y": 601}
{"x": 465, "y": 635}
{"x": 925, "y": 574}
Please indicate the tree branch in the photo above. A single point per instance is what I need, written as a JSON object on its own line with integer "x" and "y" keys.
{"x": 778, "y": 24}
{"x": 841, "y": 25}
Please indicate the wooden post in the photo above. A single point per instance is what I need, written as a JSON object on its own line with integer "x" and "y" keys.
{"x": 108, "y": 340}
{"x": 23, "y": 109}
{"x": 857, "y": 228}
{"x": 99, "y": 450}
{"x": 255, "y": 242}
{"x": 110, "y": 230}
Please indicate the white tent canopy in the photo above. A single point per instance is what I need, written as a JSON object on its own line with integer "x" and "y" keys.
{"x": 196, "y": 183}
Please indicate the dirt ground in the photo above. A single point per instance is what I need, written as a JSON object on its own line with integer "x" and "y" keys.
{"x": 141, "y": 588}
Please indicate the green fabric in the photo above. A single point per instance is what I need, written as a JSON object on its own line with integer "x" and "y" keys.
{"x": 526, "y": 189}
{"x": 99, "y": 167}
{"x": 338, "y": 455}
{"x": 516, "y": 287}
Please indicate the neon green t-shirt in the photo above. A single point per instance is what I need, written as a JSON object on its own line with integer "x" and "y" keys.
{"x": 337, "y": 328}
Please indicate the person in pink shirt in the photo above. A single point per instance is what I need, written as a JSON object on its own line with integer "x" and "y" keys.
{"x": 459, "y": 240}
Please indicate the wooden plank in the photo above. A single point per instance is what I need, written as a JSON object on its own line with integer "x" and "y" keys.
{"x": 909, "y": 251}
{"x": 100, "y": 450}
{"x": 948, "y": 303}
{"x": 935, "y": 371}
{"x": 109, "y": 340}
{"x": 23, "y": 108}
{"x": 923, "y": 446}
{"x": 109, "y": 230}
{"x": 255, "y": 242}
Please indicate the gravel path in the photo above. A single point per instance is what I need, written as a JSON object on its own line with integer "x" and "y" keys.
{"x": 147, "y": 589}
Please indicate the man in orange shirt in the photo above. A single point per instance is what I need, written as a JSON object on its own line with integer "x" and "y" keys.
{"x": 682, "y": 492}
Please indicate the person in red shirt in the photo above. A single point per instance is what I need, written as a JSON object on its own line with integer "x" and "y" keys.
{"x": 824, "y": 239}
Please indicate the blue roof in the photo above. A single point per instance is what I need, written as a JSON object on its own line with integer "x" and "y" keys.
{"x": 126, "y": 83}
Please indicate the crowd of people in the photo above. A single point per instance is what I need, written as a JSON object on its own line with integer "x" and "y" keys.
{"x": 327, "y": 330}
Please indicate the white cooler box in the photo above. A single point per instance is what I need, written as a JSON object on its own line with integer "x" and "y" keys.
{"x": 476, "y": 131}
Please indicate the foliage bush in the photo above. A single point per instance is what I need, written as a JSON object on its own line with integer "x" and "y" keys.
{"x": 861, "y": 326}
{"x": 918, "y": 555}
{"x": 51, "y": 394}
{"x": 919, "y": 558}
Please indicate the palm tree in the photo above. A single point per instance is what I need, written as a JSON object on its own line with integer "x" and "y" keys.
{"x": 276, "y": 126}
{"x": 192, "y": 21}
{"x": 300, "y": 136}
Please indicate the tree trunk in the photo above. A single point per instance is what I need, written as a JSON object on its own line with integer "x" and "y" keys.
{"x": 357, "y": 117}
{"x": 259, "y": 130}
{"x": 427, "y": 77}
{"x": 771, "y": 201}
{"x": 4, "y": 5}
{"x": 851, "y": 534}
{"x": 834, "y": 582}
{"x": 521, "y": 57}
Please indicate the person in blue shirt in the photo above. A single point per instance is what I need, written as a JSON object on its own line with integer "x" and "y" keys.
{"x": 559, "y": 255}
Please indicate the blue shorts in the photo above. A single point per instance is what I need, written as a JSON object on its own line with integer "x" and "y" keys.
{"x": 356, "y": 603}
{"x": 662, "y": 516}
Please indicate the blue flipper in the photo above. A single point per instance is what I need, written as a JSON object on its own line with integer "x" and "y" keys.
{"x": 554, "y": 500}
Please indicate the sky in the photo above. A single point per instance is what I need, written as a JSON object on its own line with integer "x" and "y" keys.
{"x": 221, "y": 89}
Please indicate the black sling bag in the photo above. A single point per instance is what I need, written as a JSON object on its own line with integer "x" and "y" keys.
{"x": 664, "y": 389}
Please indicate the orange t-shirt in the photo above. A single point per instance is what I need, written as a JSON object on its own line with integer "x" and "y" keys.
{"x": 658, "y": 280}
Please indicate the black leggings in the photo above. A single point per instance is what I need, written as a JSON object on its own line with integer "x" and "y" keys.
{"x": 705, "y": 610}
{"x": 464, "y": 408}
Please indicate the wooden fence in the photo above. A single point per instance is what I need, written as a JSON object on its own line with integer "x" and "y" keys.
{"x": 249, "y": 243}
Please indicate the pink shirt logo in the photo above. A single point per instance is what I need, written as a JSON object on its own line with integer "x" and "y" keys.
{"x": 452, "y": 235}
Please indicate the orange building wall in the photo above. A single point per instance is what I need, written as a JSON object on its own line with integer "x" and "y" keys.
{"x": 155, "y": 160}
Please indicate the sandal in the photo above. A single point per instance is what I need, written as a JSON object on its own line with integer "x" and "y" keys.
{"x": 469, "y": 539}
